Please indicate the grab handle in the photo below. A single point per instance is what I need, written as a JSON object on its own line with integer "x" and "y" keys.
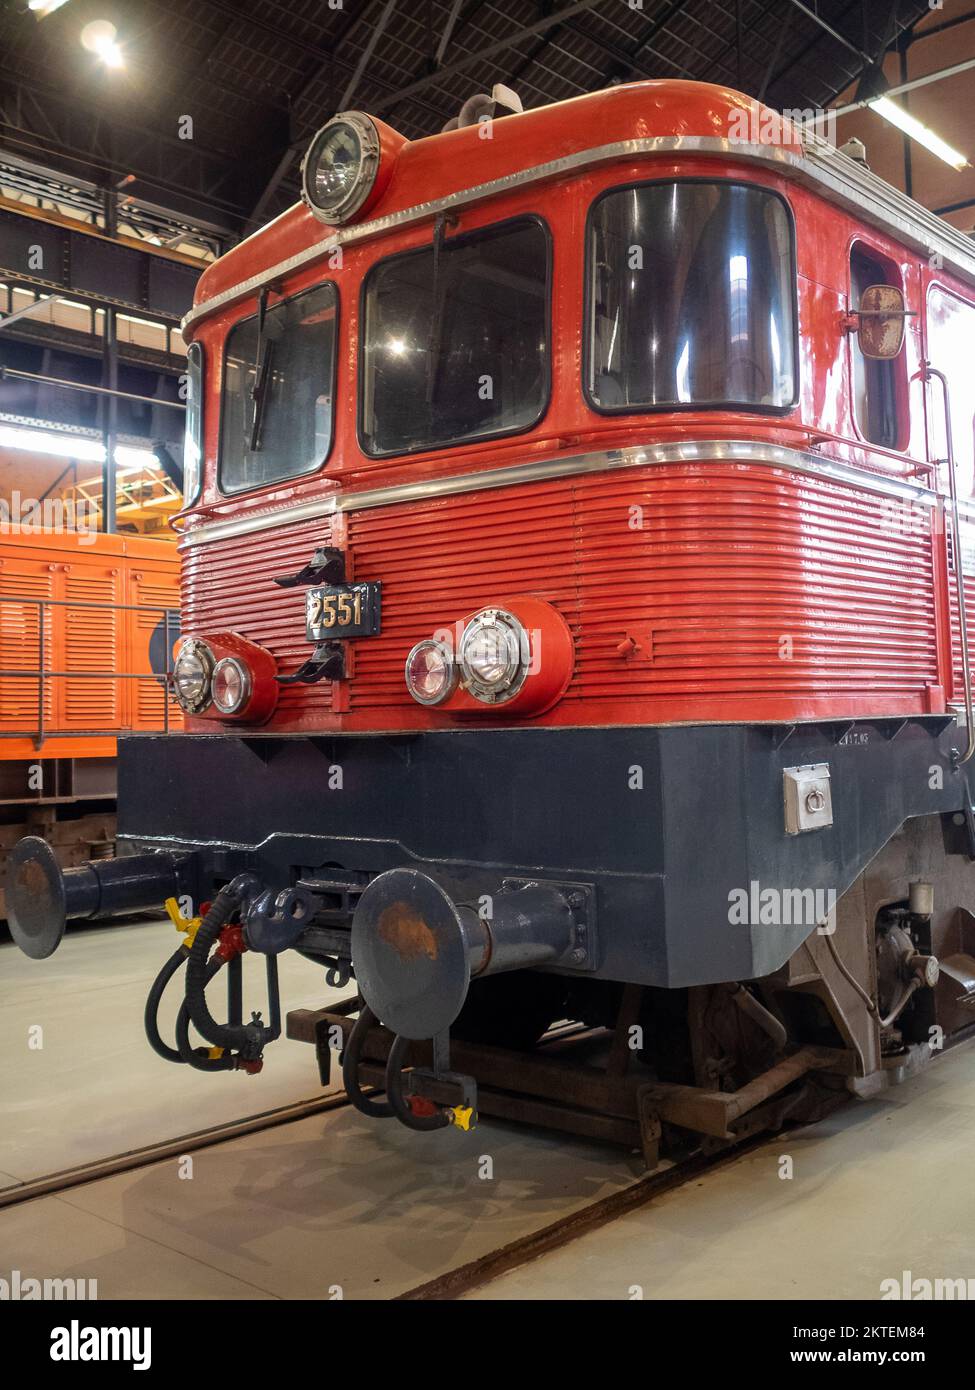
{"x": 926, "y": 373}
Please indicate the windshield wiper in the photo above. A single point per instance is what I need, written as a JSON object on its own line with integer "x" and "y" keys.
{"x": 262, "y": 375}
{"x": 438, "y": 297}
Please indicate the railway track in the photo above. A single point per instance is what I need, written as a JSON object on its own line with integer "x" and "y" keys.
{"x": 55, "y": 1183}
{"x": 451, "y": 1283}
{"x": 476, "y": 1273}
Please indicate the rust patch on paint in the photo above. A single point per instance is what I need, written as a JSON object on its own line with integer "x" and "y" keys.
{"x": 408, "y": 934}
{"x": 32, "y": 878}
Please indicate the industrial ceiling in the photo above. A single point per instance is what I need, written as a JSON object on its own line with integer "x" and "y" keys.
{"x": 258, "y": 77}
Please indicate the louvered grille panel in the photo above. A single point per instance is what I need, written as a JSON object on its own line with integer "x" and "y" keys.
{"x": 228, "y": 587}
{"x": 20, "y": 645}
{"x": 147, "y": 633}
{"x": 741, "y": 582}
{"x": 92, "y": 641}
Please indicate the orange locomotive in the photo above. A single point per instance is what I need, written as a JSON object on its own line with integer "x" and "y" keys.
{"x": 575, "y": 620}
{"x": 83, "y": 620}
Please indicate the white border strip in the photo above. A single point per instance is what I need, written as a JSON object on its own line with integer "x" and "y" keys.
{"x": 646, "y": 455}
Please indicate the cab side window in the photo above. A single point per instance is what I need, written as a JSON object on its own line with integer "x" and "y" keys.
{"x": 876, "y": 392}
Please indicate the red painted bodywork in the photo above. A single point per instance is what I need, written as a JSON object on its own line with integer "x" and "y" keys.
{"x": 750, "y": 593}
{"x": 551, "y": 658}
{"x": 263, "y": 669}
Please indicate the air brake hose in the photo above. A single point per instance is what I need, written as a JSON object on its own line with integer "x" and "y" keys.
{"x": 375, "y": 1109}
{"x": 154, "y": 999}
{"x": 247, "y": 1039}
{"x": 397, "y": 1098}
{"x": 200, "y": 1058}
{"x": 184, "y": 1051}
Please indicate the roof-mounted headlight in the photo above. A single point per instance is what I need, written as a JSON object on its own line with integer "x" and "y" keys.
{"x": 340, "y": 168}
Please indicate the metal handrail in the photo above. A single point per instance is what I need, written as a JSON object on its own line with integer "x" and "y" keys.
{"x": 926, "y": 373}
{"x": 42, "y": 675}
{"x": 11, "y": 372}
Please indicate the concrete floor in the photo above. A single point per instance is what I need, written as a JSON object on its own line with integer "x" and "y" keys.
{"x": 881, "y": 1187}
{"x": 339, "y": 1203}
{"x": 331, "y": 1201}
{"x": 95, "y": 1088}
{"x": 334, "y": 1202}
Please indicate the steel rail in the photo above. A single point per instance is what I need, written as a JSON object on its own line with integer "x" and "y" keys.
{"x": 55, "y": 1183}
{"x": 565, "y": 1229}
{"x": 478, "y": 1272}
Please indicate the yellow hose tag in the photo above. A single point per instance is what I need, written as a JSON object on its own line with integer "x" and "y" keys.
{"x": 463, "y": 1117}
{"x": 188, "y": 925}
{"x": 214, "y": 1053}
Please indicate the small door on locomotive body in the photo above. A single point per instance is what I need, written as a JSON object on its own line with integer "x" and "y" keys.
{"x": 950, "y": 326}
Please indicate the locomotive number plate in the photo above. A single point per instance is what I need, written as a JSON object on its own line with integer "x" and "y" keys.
{"x": 343, "y": 610}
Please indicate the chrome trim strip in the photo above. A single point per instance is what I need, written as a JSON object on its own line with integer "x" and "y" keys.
{"x": 581, "y": 159}
{"x": 870, "y": 197}
{"x": 822, "y": 167}
{"x": 602, "y": 461}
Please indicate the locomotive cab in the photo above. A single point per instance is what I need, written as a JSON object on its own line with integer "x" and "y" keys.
{"x": 575, "y": 622}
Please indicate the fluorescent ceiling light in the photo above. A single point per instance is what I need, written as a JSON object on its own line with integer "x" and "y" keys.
{"x": 42, "y": 8}
{"x": 85, "y": 450}
{"x": 904, "y": 121}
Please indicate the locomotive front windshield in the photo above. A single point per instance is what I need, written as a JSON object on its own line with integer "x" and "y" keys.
{"x": 691, "y": 297}
{"x": 278, "y": 388}
{"x": 455, "y": 340}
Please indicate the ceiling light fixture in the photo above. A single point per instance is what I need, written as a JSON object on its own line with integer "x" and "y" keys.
{"x": 875, "y": 91}
{"x": 100, "y": 38}
{"x": 42, "y": 8}
{"x": 914, "y": 128}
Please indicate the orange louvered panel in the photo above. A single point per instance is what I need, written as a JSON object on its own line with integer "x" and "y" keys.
{"x": 21, "y": 580}
{"x": 152, "y": 592}
{"x": 91, "y": 642}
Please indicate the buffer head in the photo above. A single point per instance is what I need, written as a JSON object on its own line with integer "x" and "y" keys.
{"x": 36, "y": 900}
{"x": 411, "y": 948}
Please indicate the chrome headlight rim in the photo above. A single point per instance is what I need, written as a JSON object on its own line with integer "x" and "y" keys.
{"x": 447, "y": 652}
{"x": 246, "y": 685}
{"x": 343, "y": 209}
{"x": 193, "y": 647}
{"x": 516, "y": 641}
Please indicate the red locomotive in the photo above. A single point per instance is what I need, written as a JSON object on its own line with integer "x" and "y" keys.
{"x": 576, "y": 621}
